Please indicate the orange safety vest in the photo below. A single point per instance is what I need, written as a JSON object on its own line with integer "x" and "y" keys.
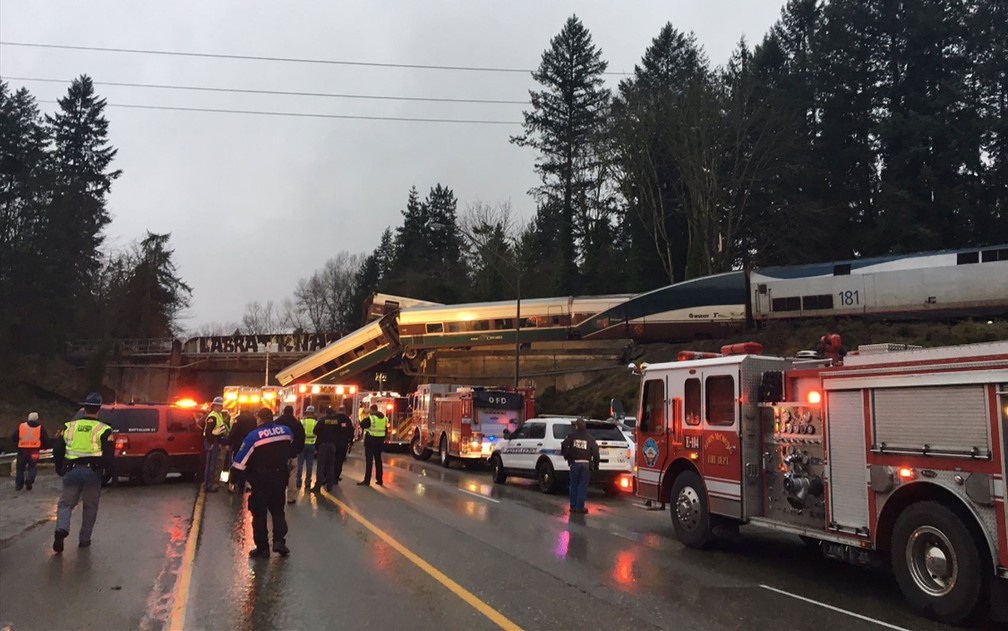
{"x": 29, "y": 437}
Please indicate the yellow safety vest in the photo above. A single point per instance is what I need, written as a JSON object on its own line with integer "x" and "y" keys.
{"x": 378, "y": 425}
{"x": 29, "y": 437}
{"x": 83, "y": 438}
{"x": 309, "y": 430}
{"x": 220, "y": 427}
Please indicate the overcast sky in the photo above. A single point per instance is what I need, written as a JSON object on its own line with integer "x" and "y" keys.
{"x": 253, "y": 203}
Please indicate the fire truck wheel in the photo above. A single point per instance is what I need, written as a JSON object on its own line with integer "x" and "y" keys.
{"x": 938, "y": 562}
{"x": 690, "y": 515}
{"x": 546, "y": 477}
{"x": 154, "y": 469}
{"x": 443, "y": 457}
{"x": 419, "y": 451}
{"x": 497, "y": 470}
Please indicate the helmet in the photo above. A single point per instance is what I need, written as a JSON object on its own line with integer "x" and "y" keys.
{"x": 218, "y": 401}
{"x": 310, "y": 409}
{"x": 92, "y": 400}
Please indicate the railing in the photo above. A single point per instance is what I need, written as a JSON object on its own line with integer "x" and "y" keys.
{"x": 137, "y": 346}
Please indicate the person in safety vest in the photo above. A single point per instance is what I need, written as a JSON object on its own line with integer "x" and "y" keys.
{"x": 297, "y": 446}
{"x": 375, "y": 426}
{"x": 214, "y": 431}
{"x": 30, "y": 438}
{"x": 264, "y": 456}
{"x": 83, "y": 455}
{"x": 307, "y": 455}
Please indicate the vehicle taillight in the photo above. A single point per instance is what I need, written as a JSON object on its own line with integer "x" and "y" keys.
{"x": 625, "y": 483}
{"x": 906, "y": 473}
{"x": 121, "y": 445}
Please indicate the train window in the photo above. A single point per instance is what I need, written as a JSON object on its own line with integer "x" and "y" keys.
{"x": 995, "y": 255}
{"x": 506, "y": 323}
{"x": 822, "y": 301}
{"x": 481, "y": 325}
{"x": 653, "y": 403}
{"x": 721, "y": 400}
{"x": 792, "y": 303}
{"x": 841, "y": 270}
{"x": 691, "y": 403}
{"x": 435, "y": 327}
{"x": 965, "y": 258}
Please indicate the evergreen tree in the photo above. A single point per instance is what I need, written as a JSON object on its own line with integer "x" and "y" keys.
{"x": 564, "y": 126}
{"x": 988, "y": 48}
{"x": 81, "y": 179}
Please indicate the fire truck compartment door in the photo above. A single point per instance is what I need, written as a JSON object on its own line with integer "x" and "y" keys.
{"x": 655, "y": 424}
{"x": 848, "y": 483}
{"x": 720, "y": 453}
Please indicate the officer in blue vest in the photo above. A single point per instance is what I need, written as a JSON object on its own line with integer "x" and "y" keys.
{"x": 82, "y": 454}
{"x": 263, "y": 457}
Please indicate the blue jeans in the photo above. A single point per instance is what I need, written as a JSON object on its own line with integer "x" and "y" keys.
{"x": 211, "y": 448}
{"x": 306, "y": 457}
{"x": 79, "y": 483}
{"x": 580, "y": 474}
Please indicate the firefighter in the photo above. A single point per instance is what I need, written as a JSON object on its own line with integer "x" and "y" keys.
{"x": 297, "y": 445}
{"x": 264, "y": 456}
{"x": 82, "y": 455}
{"x": 30, "y": 438}
{"x": 581, "y": 452}
{"x": 375, "y": 427}
{"x": 213, "y": 429}
{"x": 307, "y": 455}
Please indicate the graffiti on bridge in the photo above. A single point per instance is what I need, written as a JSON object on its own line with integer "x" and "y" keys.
{"x": 281, "y": 343}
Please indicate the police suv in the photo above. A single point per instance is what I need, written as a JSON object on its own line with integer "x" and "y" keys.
{"x": 533, "y": 451}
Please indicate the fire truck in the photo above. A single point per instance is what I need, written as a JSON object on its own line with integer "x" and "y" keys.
{"x": 896, "y": 455}
{"x": 320, "y": 395}
{"x": 395, "y": 407}
{"x": 464, "y": 422}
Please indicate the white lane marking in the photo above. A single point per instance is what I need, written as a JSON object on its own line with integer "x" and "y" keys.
{"x": 832, "y": 608}
{"x": 482, "y": 497}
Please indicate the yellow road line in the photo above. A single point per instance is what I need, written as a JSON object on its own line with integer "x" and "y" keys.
{"x": 181, "y": 601}
{"x": 495, "y": 616}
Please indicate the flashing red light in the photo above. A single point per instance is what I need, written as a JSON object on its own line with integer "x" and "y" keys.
{"x": 906, "y": 473}
{"x": 389, "y": 406}
{"x": 814, "y": 397}
{"x": 353, "y": 389}
{"x": 693, "y": 455}
{"x": 625, "y": 483}
{"x": 302, "y": 389}
{"x": 339, "y": 389}
{"x": 316, "y": 389}
{"x": 186, "y": 403}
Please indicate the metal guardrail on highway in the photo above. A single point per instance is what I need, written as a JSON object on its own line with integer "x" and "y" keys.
{"x": 7, "y": 461}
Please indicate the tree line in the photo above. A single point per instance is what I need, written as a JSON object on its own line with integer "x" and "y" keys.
{"x": 57, "y": 282}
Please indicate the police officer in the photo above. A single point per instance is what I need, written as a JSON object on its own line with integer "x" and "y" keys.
{"x": 30, "y": 438}
{"x": 82, "y": 455}
{"x": 374, "y": 427}
{"x": 307, "y": 455}
{"x": 214, "y": 430}
{"x": 264, "y": 456}
{"x": 344, "y": 438}
{"x": 580, "y": 450}
{"x": 328, "y": 433}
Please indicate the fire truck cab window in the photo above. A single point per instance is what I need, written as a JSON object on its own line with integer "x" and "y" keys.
{"x": 691, "y": 402}
{"x": 536, "y": 430}
{"x": 653, "y": 404}
{"x": 721, "y": 400}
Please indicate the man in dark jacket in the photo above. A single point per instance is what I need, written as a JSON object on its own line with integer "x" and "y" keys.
{"x": 344, "y": 438}
{"x": 580, "y": 450}
{"x": 333, "y": 433}
{"x": 243, "y": 425}
{"x": 30, "y": 438}
{"x": 264, "y": 456}
{"x": 288, "y": 420}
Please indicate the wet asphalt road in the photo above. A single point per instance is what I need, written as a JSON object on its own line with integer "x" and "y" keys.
{"x": 516, "y": 551}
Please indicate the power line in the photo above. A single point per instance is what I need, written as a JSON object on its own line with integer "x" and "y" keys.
{"x": 300, "y": 60}
{"x": 279, "y": 92}
{"x": 305, "y": 114}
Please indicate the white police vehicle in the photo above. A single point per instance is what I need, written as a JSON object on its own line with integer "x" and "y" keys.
{"x": 533, "y": 451}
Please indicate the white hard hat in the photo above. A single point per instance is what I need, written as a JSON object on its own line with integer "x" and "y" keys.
{"x": 218, "y": 401}
{"x": 33, "y": 416}
{"x": 310, "y": 408}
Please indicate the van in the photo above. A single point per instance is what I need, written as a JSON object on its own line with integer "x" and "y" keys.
{"x": 153, "y": 440}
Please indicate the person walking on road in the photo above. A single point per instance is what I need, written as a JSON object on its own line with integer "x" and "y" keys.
{"x": 344, "y": 438}
{"x": 82, "y": 455}
{"x": 374, "y": 427}
{"x": 581, "y": 451}
{"x": 214, "y": 431}
{"x": 297, "y": 446}
{"x": 326, "y": 432}
{"x": 307, "y": 456}
{"x": 243, "y": 425}
{"x": 264, "y": 456}
{"x": 30, "y": 438}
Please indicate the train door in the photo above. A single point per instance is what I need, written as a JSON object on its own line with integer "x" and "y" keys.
{"x": 652, "y": 433}
{"x": 720, "y": 454}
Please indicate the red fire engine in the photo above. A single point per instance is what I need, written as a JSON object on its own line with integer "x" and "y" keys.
{"x": 464, "y": 422}
{"x": 896, "y": 455}
{"x": 319, "y": 395}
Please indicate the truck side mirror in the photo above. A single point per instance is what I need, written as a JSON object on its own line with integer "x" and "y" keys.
{"x": 507, "y": 432}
